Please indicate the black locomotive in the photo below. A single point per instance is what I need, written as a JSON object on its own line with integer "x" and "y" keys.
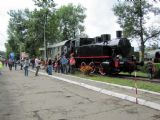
{"x": 103, "y": 54}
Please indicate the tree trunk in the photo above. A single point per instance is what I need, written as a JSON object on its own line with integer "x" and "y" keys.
{"x": 142, "y": 50}
{"x": 141, "y": 33}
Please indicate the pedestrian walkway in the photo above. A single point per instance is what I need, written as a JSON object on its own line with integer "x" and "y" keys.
{"x": 144, "y": 97}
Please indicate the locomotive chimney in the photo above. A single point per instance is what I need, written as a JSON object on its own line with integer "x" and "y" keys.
{"x": 98, "y": 39}
{"x": 106, "y": 37}
{"x": 119, "y": 34}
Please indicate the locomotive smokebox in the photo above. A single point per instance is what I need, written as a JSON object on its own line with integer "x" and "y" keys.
{"x": 124, "y": 47}
{"x": 119, "y": 34}
{"x": 106, "y": 37}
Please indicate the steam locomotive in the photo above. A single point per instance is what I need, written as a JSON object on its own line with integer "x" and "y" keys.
{"x": 100, "y": 53}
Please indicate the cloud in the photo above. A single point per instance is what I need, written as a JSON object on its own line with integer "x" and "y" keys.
{"x": 6, "y": 6}
{"x": 157, "y": 20}
{"x": 100, "y": 18}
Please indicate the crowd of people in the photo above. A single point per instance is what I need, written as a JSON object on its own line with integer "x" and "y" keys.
{"x": 59, "y": 64}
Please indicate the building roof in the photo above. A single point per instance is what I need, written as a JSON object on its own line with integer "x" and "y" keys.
{"x": 55, "y": 45}
{"x": 58, "y": 44}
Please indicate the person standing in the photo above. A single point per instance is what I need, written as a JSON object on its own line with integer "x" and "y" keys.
{"x": 1, "y": 66}
{"x": 150, "y": 68}
{"x": 33, "y": 62}
{"x": 64, "y": 63}
{"x": 117, "y": 64}
{"x": 26, "y": 65}
{"x": 72, "y": 63}
{"x": 15, "y": 64}
{"x": 10, "y": 64}
{"x": 21, "y": 63}
{"x": 59, "y": 65}
{"x": 56, "y": 65}
{"x": 49, "y": 67}
{"x": 37, "y": 64}
{"x": 6, "y": 62}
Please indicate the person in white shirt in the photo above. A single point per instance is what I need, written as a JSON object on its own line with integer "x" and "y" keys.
{"x": 37, "y": 64}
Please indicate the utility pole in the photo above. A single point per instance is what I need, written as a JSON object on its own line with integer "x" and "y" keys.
{"x": 45, "y": 47}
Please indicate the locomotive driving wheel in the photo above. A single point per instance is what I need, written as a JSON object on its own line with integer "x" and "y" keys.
{"x": 101, "y": 70}
{"x": 83, "y": 64}
{"x": 93, "y": 67}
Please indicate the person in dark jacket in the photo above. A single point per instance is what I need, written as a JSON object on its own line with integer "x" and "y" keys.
{"x": 49, "y": 67}
{"x": 33, "y": 62}
{"x": 64, "y": 63}
{"x": 150, "y": 68}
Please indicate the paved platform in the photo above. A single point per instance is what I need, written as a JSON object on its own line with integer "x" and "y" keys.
{"x": 54, "y": 98}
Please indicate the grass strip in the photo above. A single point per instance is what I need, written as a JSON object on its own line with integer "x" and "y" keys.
{"x": 125, "y": 82}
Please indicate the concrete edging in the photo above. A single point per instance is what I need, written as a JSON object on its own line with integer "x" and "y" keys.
{"x": 120, "y": 86}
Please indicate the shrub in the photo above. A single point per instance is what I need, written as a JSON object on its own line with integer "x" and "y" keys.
{"x": 156, "y": 72}
{"x": 86, "y": 69}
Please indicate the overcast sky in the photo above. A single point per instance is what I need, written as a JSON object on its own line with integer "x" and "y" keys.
{"x": 100, "y": 18}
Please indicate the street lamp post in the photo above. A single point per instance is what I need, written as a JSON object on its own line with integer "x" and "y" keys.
{"x": 44, "y": 36}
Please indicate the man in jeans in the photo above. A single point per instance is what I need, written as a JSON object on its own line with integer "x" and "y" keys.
{"x": 64, "y": 63}
{"x": 37, "y": 64}
{"x": 26, "y": 65}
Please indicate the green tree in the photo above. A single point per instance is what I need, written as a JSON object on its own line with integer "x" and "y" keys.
{"x": 47, "y": 8}
{"x": 27, "y": 30}
{"x": 71, "y": 20}
{"x": 35, "y": 31}
{"x": 8, "y": 50}
{"x": 133, "y": 17}
{"x": 16, "y": 31}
